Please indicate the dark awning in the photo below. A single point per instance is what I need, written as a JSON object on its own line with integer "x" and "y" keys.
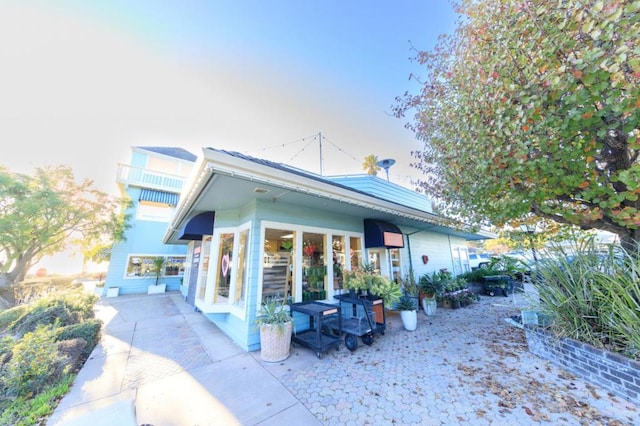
{"x": 199, "y": 225}
{"x": 378, "y": 233}
{"x": 159, "y": 197}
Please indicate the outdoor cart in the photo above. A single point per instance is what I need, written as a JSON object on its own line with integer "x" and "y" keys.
{"x": 497, "y": 284}
{"x": 361, "y": 316}
{"x": 318, "y": 314}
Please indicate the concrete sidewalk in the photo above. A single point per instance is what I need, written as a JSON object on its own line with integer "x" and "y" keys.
{"x": 160, "y": 363}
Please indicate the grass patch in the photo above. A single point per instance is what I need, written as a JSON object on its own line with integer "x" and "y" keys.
{"x": 24, "y": 411}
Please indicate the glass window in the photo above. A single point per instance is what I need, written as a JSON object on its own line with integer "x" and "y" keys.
{"x": 278, "y": 266}
{"x": 225, "y": 263}
{"x": 394, "y": 255}
{"x": 355, "y": 252}
{"x": 314, "y": 280}
{"x": 204, "y": 266}
{"x": 339, "y": 260}
{"x": 142, "y": 266}
{"x": 241, "y": 273}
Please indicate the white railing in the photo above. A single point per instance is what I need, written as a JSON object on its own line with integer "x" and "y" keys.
{"x": 137, "y": 176}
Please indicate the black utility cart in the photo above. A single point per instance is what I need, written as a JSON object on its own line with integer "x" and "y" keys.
{"x": 497, "y": 284}
{"x": 362, "y": 316}
{"x": 316, "y": 336}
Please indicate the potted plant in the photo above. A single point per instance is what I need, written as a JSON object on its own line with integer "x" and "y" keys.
{"x": 157, "y": 270}
{"x": 276, "y": 326}
{"x": 408, "y": 312}
{"x": 432, "y": 286}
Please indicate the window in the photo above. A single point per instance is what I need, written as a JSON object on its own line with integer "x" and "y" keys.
{"x": 205, "y": 253}
{"x": 141, "y": 266}
{"x": 225, "y": 266}
{"x": 241, "y": 275}
{"x": 277, "y": 267}
{"x": 305, "y": 263}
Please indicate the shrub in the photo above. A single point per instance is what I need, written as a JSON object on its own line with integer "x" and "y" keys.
{"x": 593, "y": 297}
{"x": 89, "y": 331}
{"x": 35, "y": 362}
{"x": 42, "y": 315}
{"x": 9, "y": 316}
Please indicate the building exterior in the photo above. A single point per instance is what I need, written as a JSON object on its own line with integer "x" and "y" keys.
{"x": 153, "y": 182}
{"x": 256, "y": 229}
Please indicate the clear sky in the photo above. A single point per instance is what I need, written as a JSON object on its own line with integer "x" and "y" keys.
{"x": 83, "y": 81}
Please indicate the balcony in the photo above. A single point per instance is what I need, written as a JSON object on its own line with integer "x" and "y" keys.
{"x": 144, "y": 178}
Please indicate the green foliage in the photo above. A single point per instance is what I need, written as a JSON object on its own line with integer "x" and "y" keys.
{"x": 35, "y": 362}
{"x": 40, "y": 213}
{"x": 158, "y": 267}
{"x": 89, "y": 331}
{"x": 273, "y": 312}
{"x": 434, "y": 284}
{"x": 410, "y": 285}
{"x": 406, "y": 303}
{"x": 593, "y": 297}
{"x": 9, "y": 316}
{"x": 24, "y": 411}
{"x": 42, "y": 315}
{"x": 532, "y": 107}
{"x": 385, "y": 289}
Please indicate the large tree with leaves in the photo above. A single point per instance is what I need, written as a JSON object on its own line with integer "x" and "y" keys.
{"x": 47, "y": 213}
{"x": 532, "y": 107}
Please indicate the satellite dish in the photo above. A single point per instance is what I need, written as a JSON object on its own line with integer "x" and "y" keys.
{"x": 386, "y": 164}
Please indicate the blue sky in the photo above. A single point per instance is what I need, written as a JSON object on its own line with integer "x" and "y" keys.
{"x": 82, "y": 81}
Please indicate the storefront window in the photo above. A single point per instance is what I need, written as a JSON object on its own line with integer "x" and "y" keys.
{"x": 394, "y": 255}
{"x": 339, "y": 260}
{"x": 241, "y": 275}
{"x": 278, "y": 266}
{"x": 142, "y": 266}
{"x": 355, "y": 252}
{"x": 204, "y": 266}
{"x": 314, "y": 280}
{"x": 225, "y": 262}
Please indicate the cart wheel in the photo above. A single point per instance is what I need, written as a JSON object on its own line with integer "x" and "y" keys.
{"x": 351, "y": 342}
{"x": 491, "y": 293}
{"x": 505, "y": 293}
{"x": 367, "y": 339}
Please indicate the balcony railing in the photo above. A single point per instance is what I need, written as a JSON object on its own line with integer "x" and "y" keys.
{"x": 144, "y": 178}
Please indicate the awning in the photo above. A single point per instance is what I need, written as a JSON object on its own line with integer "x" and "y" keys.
{"x": 159, "y": 197}
{"x": 197, "y": 226}
{"x": 378, "y": 233}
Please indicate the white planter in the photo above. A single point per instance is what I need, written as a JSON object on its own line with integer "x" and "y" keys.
{"x": 429, "y": 306}
{"x": 113, "y": 291}
{"x": 409, "y": 319}
{"x": 156, "y": 289}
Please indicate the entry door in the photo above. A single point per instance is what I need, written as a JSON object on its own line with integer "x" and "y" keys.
{"x": 379, "y": 259}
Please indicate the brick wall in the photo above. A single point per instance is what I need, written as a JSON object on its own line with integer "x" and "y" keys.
{"x": 611, "y": 371}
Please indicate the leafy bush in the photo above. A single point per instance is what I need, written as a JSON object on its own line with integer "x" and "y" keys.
{"x": 593, "y": 297}
{"x": 9, "y": 316}
{"x": 89, "y": 331}
{"x": 42, "y": 315}
{"x": 35, "y": 362}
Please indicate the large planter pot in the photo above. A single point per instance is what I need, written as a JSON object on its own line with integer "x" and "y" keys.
{"x": 429, "y": 306}
{"x": 409, "y": 319}
{"x": 156, "y": 288}
{"x": 275, "y": 342}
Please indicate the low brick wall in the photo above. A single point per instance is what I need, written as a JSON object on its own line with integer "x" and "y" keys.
{"x": 611, "y": 371}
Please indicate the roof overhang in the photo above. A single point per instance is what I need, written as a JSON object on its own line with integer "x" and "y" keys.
{"x": 227, "y": 181}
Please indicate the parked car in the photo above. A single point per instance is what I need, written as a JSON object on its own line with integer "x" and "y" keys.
{"x": 479, "y": 260}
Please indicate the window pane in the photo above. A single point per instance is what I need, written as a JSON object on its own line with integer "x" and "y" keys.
{"x": 355, "y": 252}
{"x": 277, "y": 268}
{"x": 241, "y": 268}
{"x": 339, "y": 261}
{"x": 225, "y": 253}
{"x": 175, "y": 265}
{"x": 314, "y": 280}
{"x": 204, "y": 266}
{"x": 395, "y": 264}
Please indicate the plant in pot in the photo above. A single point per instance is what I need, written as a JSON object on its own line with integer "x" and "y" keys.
{"x": 157, "y": 269}
{"x": 408, "y": 312}
{"x": 276, "y": 326}
{"x": 385, "y": 289}
{"x": 431, "y": 287}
